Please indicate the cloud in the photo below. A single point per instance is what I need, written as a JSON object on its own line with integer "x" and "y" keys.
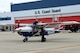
{"x": 5, "y": 4}
{"x": 22, "y": 1}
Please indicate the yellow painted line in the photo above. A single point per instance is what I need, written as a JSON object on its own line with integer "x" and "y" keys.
{"x": 48, "y": 49}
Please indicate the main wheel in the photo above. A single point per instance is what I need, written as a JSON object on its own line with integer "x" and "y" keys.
{"x": 43, "y": 40}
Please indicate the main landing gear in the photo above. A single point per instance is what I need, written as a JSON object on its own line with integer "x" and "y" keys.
{"x": 43, "y": 39}
{"x": 25, "y": 39}
{"x": 42, "y": 33}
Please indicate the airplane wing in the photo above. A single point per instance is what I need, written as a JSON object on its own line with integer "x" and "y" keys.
{"x": 70, "y": 22}
{"x": 56, "y": 24}
{"x": 24, "y": 25}
{"x": 51, "y": 24}
{"x": 48, "y": 25}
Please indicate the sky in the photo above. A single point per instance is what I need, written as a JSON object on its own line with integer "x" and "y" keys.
{"x": 5, "y": 4}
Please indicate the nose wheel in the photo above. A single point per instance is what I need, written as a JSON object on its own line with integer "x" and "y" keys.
{"x": 26, "y": 39}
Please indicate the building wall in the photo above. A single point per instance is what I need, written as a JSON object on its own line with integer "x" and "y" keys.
{"x": 46, "y": 14}
{"x": 72, "y": 10}
{"x": 43, "y": 4}
{"x": 69, "y": 18}
{"x": 45, "y": 11}
{"x": 27, "y": 20}
{"x": 49, "y": 18}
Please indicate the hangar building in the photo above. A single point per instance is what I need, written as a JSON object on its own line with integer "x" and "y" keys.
{"x": 45, "y": 11}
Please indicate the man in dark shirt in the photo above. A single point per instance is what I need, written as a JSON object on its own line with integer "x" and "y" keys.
{"x": 34, "y": 26}
{"x": 35, "y": 22}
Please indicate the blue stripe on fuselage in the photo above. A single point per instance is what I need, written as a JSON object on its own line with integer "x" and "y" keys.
{"x": 30, "y": 33}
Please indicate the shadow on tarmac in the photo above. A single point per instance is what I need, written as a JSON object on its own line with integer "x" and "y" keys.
{"x": 52, "y": 40}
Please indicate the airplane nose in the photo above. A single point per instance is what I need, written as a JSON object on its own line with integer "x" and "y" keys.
{"x": 17, "y": 29}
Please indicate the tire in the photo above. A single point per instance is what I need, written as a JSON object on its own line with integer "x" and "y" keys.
{"x": 26, "y": 39}
{"x": 43, "y": 40}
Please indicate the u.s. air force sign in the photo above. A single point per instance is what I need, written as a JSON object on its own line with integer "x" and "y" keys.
{"x": 47, "y": 11}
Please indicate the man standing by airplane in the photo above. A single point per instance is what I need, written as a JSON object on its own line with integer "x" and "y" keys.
{"x": 34, "y": 26}
{"x": 35, "y": 30}
{"x": 35, "y": 22}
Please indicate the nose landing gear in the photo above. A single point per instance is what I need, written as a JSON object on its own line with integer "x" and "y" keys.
{"x": 25, "y": 39}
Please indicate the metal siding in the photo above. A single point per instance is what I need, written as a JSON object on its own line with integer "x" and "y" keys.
{"x": 43, "y": 4}
{"x": 28, "y": 21}
{"x": 69, "y": 18}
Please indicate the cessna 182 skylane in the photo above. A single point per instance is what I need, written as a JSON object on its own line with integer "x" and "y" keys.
{"x": 42, "y": 29}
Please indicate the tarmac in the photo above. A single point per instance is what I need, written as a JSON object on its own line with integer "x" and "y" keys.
{"x": 63, "y": 42}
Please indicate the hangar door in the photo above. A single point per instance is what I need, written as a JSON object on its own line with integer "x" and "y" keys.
{"x": 26, "y": 20}
{"x": 69, "y": 18}
{"x": 29, "y": 20}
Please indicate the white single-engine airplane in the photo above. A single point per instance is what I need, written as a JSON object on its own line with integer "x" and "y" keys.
{"x": 41, "y": 29}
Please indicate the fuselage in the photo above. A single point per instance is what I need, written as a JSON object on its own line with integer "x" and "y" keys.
{"x": 27, "y": 31}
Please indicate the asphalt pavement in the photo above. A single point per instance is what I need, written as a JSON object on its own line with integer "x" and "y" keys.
{"x": 56, "y": 43}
